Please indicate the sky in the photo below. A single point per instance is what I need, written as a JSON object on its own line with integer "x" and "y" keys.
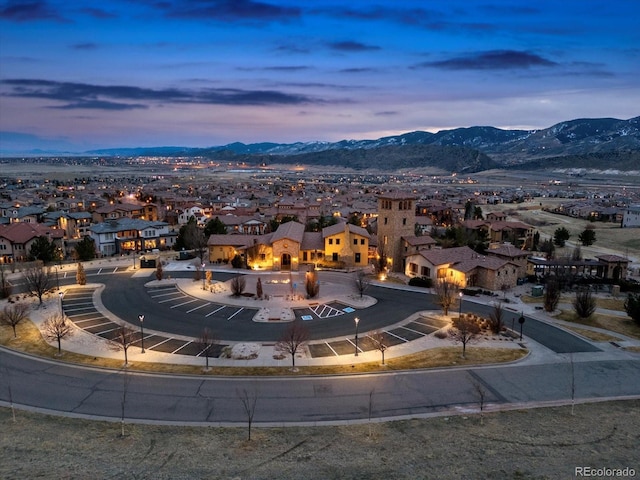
{"x": 81, "y": 75}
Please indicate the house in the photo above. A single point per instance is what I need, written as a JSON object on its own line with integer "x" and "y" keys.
{"x": 339, "y": 245}
{"x": 413, "y": 244}
{"x": 464, "y": 267}
{"x": 127, "y": 235}
{"x": 631, "y": 216}
{"x": 16, "y": 240}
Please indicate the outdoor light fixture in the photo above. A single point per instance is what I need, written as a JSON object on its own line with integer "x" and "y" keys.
{"x": 356, "y": 320}
{"x": 141, "y": 318}
{"x": 521, "y": 322}
{"x": 203, "y": 276}
{"x": 61, "y": 294}
{"x": 460, "y": 306}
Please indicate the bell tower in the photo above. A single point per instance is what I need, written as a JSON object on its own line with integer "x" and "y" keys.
{"x": 396, "y": 219}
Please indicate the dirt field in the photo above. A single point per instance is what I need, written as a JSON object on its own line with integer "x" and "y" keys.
{"x": 545, "y": 443}
{"x": 610, "y": 238}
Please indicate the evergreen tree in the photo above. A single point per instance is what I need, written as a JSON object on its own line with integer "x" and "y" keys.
{"x": 588, "y": 236}
{"x": 560, "y": 236}
{"x": 86, "y": 249}
{"x": 215, "y": 227}
{"x": 42, "y": 249}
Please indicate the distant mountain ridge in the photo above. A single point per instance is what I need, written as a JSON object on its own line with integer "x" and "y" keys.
{"x": 606, "y": 143}
{"x": 573, "y": 137}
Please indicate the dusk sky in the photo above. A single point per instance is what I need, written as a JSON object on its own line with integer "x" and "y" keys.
{"x": 79, "y": 75}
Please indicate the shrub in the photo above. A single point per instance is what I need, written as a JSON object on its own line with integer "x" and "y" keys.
{"x": 236, "y": 262}
{"x": 421, "y": 282}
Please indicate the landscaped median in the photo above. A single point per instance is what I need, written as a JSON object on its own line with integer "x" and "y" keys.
{"x": 30, "y": 341}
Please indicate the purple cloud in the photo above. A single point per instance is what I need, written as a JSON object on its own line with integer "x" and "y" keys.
{"x": 351, "y": 46}
{"x": 82, "y": 95}
{"x": 18, "y": 11}
{"x": 491, "y": 60}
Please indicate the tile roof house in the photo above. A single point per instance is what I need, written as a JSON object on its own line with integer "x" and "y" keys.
{"x": 464, "y": 267}
{"x": 290, "y": 246}
{"x": 16, "y": 239}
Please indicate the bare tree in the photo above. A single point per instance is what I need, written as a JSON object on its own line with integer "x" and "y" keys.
{"x": 248, "y": 399}
{"x": 496, "y": 318}
{"x": 259, "y": 290}
{"x": 573, "y": 382}
{"x": 57, "y": 328}
{"x": 551, "y": 295}
{"x": 122, "y": 339}
{"x": 196, "y": 240}
{"x": 126, "y": 378}
{"x": 584, "y": 304}
{"x": 5, "y": 285}
{"x": 7, "y": 373}
{"x": 38, "y": 280}
{"x": 292, "y": 340}
{"x": 238, "y": 284}
{"x": 370, "y": 409}
{"x": 206, "y": 341}
{"x": 446, "y": 294}
{"x": 464, "y": 330}
{"x": 311, "y": 284}
{"x": 159, "y": 271}
{"x": 481, "y": 393}
{"x": 81, "y": 276}
{"x": 379, "y": 342}
{"x": 361, "y": 282}
{"x": 12, "y": 315}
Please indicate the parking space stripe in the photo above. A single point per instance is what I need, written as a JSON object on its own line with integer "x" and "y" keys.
{"x": 78, "y": 322}
{"x": 194, "y": 309}
{"x": 394, "y": 335}
{"x": 235, "y": 314}
{"x": 354, "y": 345}
{"x": 107, "y": 331}
{"x": 159, "y": 343}
{"x": 178, "y": 349}
{"x": 412, "y": 330}
{"x": 216, "y": 310}
{"x": 184, "y": 303}
{"x": 331, "y": 348}
{"x": 172, "y": 292}
{"x": 172, "y": 299}
{"x": 161, "y": 290}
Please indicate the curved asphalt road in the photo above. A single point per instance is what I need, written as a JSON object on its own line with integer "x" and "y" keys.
{"x": 55, "y": 387}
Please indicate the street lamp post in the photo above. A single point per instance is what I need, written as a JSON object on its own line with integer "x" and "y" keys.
{"x": 61, "y": 294}
{"x": 203, "y": 276}
{"x": 141, "y": 318}
{"x": 521, "y": 322}
{"x": 356, "y": 320}
{"x": 460, "y": 306}
{"x": 57, "y": 278}
{"x": 134, "y": 259}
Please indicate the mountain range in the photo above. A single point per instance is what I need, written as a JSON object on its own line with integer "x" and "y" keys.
{"x": 601, "y": 143}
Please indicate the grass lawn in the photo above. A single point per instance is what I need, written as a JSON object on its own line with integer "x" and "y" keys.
{"x": 614, "y": 323}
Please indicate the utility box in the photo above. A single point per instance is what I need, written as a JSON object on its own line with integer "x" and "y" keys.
{"x": 537, "y": 290}
{"x": 615, "y": 290}
{"x": 148, "y": 261}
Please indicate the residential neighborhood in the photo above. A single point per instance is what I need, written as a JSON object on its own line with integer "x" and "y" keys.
{"x": 286, "y": 221}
